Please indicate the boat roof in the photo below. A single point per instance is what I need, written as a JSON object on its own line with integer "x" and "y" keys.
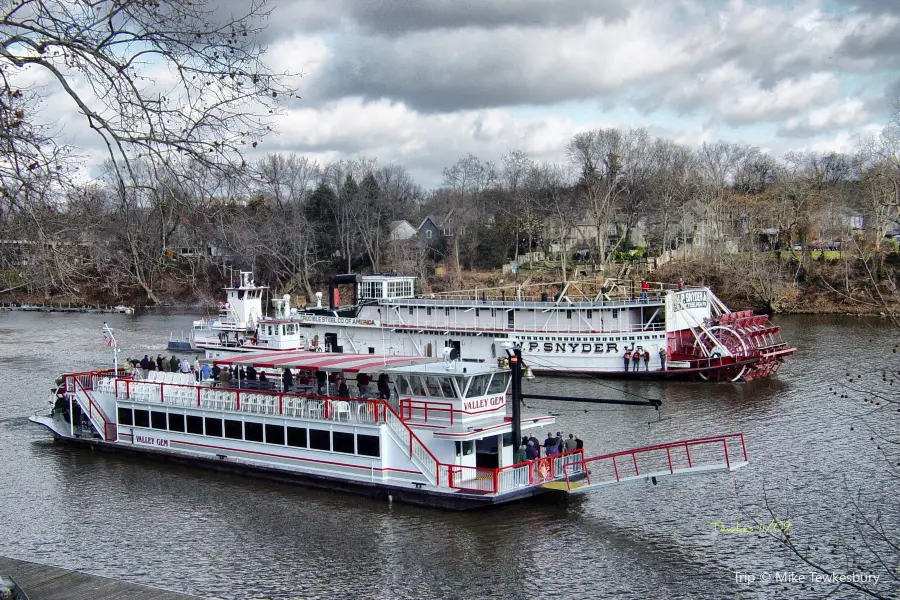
{"x": 319, "y": 361}
{"x": 443, "y": 368}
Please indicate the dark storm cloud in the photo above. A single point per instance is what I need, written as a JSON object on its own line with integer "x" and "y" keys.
{"x": 398, "y": 17}
{"x": 874, "y": 41}
{"x": 453, "y": 73}
{"x": 874, "y": 6}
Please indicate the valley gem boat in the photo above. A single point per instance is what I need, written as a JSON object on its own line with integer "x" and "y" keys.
{"x": 564, "y": 328}
{"x": 440, "y": 435}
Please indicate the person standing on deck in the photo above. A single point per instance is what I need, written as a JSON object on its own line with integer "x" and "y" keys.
{"x": 160, "y": 362}
{"x": 287, "y": 380}
{"x": 636, "y": 361}
{"x": 645, "y": 290}
{"x": 343, "y": 390}
{"x": 322, "y": 382}
{"x": 579, "y": 443}
{"x": 549, "y": 444}
{"x": 531, "y": 451}
{"x": 627, "y": 359}
{"x": 662, "y": 358}
{"x": 681, "y": 284}
{"x": 646, "y": 360}
{"x": 384, "y": 388}
{"x": 174, "y": 363}
{"x": 570, "y": 443}
{"x": 520, "y": 456}
{"x": 184, "y": 366}
{"x": 537, "y": 445}
{"x": 362, "y": 382}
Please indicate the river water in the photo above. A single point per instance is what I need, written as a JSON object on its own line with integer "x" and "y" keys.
{"x": 230, "y": 537}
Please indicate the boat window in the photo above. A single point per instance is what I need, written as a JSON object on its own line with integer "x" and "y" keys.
{"x": 176, "y": 422}
{"x": 319, "y": 439}
{"x": 403, "y": 386}
{"x": 478, "y": 386}
{"x": 213, "y": 426}
{"x": 141, "y": 418}
{"x": 368, "y": 445}
{"x": 158, "y": 420}
{"x": 275, "y": 434}
{"x": 125, "y": 416}
{"x": 253, "y": 432}
{"x": 499, "y": 383}
{"x": 270, "y": 330}
{"x": 342, "y": 442}
{"x": 434, "y": 387}
{"x": 233, "y": 429}
{"x": 195, "y": 425}
{"x": 465, "y": 448}
{"x": 296, "y": 436}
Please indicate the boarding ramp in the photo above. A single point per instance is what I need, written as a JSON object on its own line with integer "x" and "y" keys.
{"x": 651, "y": 463}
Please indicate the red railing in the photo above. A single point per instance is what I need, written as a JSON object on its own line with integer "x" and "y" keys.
{"x": 407, "y": 405}
{"x": 652, "y": 462}
{"x": 110, "y": 431}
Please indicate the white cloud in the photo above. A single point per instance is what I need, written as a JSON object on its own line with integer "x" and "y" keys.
{"x": 849, "y": 112}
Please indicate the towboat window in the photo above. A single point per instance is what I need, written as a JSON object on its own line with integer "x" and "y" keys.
{"x": 125, "y": 417}
{"x": 368, "y": 445}
{"x": 195, "y": 425}
{"x": 478, "y": 386}
{"x": 343, "y": 442}
{"x": 414, "y": 386}
{"x": 176, "y": 422}
{"x": 403, "y": 386}
{"x": 253, "y": 432}
{"x": 141, "y": 418}
{"x": 158, "y": 420}
{"x": 319, "y": 439}
{"x": 275, "y": 434}
{"x": 499, "y": 383}
{"x": 213, "y": 426}
{"x": 233, "y": 430}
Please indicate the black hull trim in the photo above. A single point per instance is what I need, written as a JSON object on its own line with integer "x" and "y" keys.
{"x": 380, "y": 491}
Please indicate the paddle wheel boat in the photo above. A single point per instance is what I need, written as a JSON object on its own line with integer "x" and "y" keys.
{"x": 441, "y": 438}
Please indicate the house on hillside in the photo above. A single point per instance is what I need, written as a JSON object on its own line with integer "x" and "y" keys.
{"x": 400, "y": 231}
{"x": 434, "y": 231}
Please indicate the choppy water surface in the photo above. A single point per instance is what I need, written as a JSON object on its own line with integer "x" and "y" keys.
{"x": 231, "y": 537}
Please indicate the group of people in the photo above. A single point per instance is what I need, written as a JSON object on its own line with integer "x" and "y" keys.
{"x": 161, "y": 363}
{"x": 531, "y": 448}
{"x": 633, "y": 358}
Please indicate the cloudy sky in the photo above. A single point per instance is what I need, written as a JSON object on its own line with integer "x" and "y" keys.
{"x": 423, "y": 82}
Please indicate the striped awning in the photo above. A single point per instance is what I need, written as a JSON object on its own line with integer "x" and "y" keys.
{"x": 319, "y": 361}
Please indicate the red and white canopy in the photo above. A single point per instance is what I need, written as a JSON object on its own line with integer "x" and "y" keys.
{"x": 319, "y": 361}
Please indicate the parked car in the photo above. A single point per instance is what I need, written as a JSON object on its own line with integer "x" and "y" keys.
{"x": 797, "y": 247}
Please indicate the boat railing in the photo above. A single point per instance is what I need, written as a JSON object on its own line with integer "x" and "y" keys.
{"x": 83, "y": 383}
{"x": 417, "y": 451}
{"x": 409, "y": 406}
{"x": 307, "y": 406}
{"x": 708, "y": 453}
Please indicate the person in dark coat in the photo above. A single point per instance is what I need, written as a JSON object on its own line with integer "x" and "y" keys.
{"x": 251, "y": 373}
{"x": 262, "y": 377}
{"x": 287, "y": 380}
{"x": 536, "y": 443}
{"x": 531, "y": 452}
{"x": 343, "y": 390}
{"x": 636, "y": 361}
{"x": 215, "y": 372}
{"x": 322, "y": 382}
{"x": 549, "y": 444}
{"x": 579, "y": 443}
{"x": 174, "y": 364}
{"x": 384, "y": 390}
{"x": 646, "y": 360}
{"x": 145, "y": 362}
{"x": 160, "y": 362}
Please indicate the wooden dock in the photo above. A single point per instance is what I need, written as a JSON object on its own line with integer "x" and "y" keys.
{"x": 42, "y": 582}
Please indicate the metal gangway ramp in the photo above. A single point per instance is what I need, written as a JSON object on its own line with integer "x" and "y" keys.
{"x": 651, "y": 463}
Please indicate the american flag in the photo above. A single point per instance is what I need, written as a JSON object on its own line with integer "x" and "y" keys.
{"x": 108, "y": 335}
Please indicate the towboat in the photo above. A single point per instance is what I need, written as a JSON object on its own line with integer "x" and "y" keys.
{"x": 434, "y": 433}
{"x": 564, "y": 328}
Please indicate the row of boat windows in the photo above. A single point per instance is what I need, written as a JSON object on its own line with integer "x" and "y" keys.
{"x": 624, "y": 338}
{"x": 250, "y": 431}
{"x": 588, "y": 314}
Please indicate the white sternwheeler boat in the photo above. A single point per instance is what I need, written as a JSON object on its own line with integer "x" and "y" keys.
{"x": 440, "y": 438}
{"x": 564, "y": 328}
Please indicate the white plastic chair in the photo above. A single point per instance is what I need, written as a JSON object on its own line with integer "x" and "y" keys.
{"x": 341, "y": 407}
{"x": 314, "y": 408}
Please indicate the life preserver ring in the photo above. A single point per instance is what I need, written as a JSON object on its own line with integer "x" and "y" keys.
{"x": 543, "y": 468}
